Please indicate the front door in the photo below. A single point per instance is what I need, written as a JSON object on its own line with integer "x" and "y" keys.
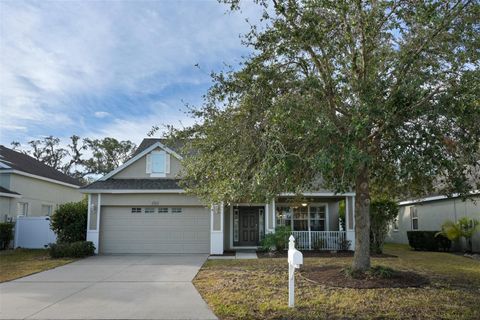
{"x": 249, "y": 229}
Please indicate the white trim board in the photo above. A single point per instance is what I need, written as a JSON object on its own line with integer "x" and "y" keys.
{"x": 10, "y": 195}
{"x": 320, "y": 194}
{"x": 433, "y": 198}
{"x": 139, "y": 156}
{"x": 22, "y": 173}
{"x": 132, "y": 191}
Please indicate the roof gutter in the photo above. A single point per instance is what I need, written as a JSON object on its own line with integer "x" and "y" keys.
{"x": 434, "y": 198}
{"x": 122, "y": 191}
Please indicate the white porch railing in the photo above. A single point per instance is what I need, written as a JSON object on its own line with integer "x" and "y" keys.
{"x": 320, "y": 240}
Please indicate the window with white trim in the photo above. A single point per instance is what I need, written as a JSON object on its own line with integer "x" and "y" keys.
{"x": 163, "y": 210}
{"x": 177, "y": 210}
{"x": 47, "y": 209}
{"x": 158, "y": 162}
{"x": 149, "y": 210}
{"x": 395, "y": 224}
{"x": 300, "y": 218}
{"x": 136, "y": 210}
{"x": 22, "y": 208}
{"x": 414, "y": 217}
{"x": 283, "y": 216}
{"x": 317, "y": 218}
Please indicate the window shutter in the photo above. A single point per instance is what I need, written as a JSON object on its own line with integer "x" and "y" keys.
{"x": 167, "y": 163}
{"x": 149, "y": 164}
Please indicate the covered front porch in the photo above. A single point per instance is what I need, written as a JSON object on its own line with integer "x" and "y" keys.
{"x": 313, "y": 218}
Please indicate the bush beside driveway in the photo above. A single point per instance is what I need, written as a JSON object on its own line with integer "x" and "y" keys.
{"x": 247, "y": 289}
{"x": 23, "y": 262}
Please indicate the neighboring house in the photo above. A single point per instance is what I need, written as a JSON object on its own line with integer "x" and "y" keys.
{"x": 140, "y": 208}
{"x": 28, "y": 187}
{"x": 430, "y": 213}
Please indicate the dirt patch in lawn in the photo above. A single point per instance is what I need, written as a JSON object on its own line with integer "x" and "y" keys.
{"x": 318, "y": 254}
{"x": 335, "y": 276}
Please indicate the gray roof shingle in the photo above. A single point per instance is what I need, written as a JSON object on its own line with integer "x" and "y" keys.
{"x": 22, "y": 162}
{"x": 134, "y": 184}
{"x": 147, "y": 142}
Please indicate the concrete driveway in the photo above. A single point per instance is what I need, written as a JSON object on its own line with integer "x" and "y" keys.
{"x": 109, "y": 287}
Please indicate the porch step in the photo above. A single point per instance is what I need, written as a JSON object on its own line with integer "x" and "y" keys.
{"x": 239, "y": 254}
{"x": 246, "y": 254}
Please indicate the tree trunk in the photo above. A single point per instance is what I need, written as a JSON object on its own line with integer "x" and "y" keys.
{"x": 361, "y": 258}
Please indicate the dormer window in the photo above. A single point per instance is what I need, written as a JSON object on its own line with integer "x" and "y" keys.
{"x": 158, "y": 163}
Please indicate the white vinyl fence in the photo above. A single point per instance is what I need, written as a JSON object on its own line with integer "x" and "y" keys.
{"x": 33, "y": 232}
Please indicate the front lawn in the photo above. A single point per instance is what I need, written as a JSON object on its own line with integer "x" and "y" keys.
{"x": 246, "y": 289}
{"x": 22, "y": 262}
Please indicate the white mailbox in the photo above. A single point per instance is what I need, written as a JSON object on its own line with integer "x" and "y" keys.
{"x": 295, "y": 259}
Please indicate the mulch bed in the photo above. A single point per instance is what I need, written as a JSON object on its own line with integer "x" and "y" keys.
{"x": 334, "y": 276}
{"x": 320, "y": 254}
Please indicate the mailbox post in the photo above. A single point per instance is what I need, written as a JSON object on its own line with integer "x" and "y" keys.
{"x": 295, "y": 259}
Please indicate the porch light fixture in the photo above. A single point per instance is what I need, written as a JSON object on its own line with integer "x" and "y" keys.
{"x": 304, "y": 204}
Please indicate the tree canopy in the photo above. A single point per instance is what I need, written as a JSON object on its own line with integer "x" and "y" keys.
{"x": 346, "y": 95}
{"x": 81, "y": 158}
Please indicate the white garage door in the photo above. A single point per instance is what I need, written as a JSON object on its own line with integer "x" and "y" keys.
{"x": 124, "y": 231}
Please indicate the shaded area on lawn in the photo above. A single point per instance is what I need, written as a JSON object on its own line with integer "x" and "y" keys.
{"x": 257, "y": 289}
{"x": 317, "y": 253}
{"x": 23, "y": 262}
{"x": 336, "y": 276}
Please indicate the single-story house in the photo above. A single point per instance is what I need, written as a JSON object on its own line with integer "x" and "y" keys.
{"x": 429, "y": 213}
{"x": 140, "y": 208}
{"x": 28, "y": 187}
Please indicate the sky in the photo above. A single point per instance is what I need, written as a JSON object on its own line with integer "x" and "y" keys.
{"x": 110, "y": 68}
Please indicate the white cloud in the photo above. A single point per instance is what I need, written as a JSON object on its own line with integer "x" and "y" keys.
{"x": 136, "y": 128}
{"x": 101, "y": 114}
{"x": 57, "y": 57}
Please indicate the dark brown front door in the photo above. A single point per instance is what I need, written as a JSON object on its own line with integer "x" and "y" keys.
{"x": 248, "y": 226}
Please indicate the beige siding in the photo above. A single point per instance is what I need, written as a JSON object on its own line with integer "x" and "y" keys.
{"x": 145, "y": 199}
{"x": 431, "y": 216}
{"x": 37, "y": 192}
{"x": 137, "y": 170}
{"x": 124, "y": 232}
{"x": 5, "y": 203}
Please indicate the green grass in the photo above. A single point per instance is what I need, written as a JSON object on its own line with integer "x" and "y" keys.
{"x": 257, "y": 289}
{"x": 22, "y": 262}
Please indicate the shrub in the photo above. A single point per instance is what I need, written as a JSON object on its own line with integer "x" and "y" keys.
{"x": 277, "y": 240}
{"x": 382, "y": 213}
{"x": 345, "y": 244}
{"x": 428, "y": 241}
{"x": 465, "y": 227}
{"x": 78, "y": 249}
{"x": 6, "y": 234}
{"x": 318, "y": 244}
{"x": 69, "y": 221}
{"x": 381, "y": 272}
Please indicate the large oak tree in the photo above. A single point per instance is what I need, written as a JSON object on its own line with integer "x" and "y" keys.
{"x": 364, "y": 94}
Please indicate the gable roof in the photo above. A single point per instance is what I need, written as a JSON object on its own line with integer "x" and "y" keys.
{"x": 147, "y": 142}
{"x": 11, "y": 160}
{"x": 147, "y": 146}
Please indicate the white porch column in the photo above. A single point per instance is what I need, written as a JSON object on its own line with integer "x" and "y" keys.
{"x": 216, "y": 229}
{"x": 270, "y": 217}
{"x": 93, "y": 220}
{"x": 350, "y": 220}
